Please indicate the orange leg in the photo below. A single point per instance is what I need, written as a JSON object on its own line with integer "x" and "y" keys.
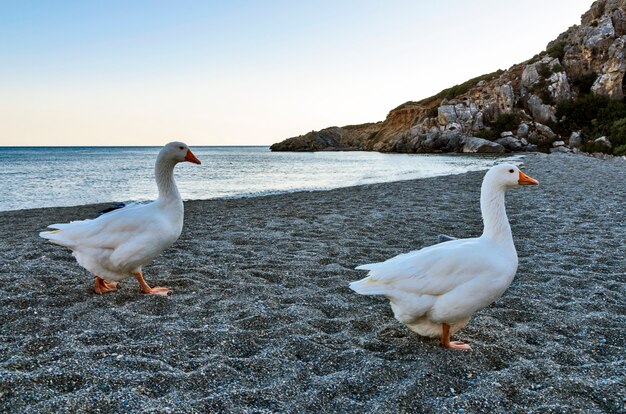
{"x": 446, "y": 343}
{"x": 102, "y": 286}
{"x": 148, "y": 290}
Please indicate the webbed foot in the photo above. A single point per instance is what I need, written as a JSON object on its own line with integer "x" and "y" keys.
{"x": 102, "y": 286}
{"x": 458, "y": 345}
{"x": 446, "y": 343}
{"x": 163, "y": 291}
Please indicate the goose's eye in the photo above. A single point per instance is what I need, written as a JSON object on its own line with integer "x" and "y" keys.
{"x": 184, "y": 148}
{"x": 511, "y": 171}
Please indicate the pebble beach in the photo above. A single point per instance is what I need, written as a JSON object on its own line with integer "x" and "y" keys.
{"x": 261, "y": 318}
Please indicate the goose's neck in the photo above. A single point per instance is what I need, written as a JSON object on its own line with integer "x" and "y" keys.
{"x": 496, "y": 222}
{"x": 164, "y": 173}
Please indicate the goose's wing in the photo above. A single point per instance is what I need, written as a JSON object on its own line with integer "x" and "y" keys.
{"x": 107, "y": 231}
{"x": 434, "y": 270}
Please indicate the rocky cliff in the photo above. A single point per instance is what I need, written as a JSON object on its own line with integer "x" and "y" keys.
{"x": 567, "y": 97}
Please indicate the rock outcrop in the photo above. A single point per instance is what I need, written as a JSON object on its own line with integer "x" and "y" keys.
{"x": 521, "y": 100}
{"x": 479, "y": 145}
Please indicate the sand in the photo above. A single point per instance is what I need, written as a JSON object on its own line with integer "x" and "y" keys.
{"x": 261, "y": 318}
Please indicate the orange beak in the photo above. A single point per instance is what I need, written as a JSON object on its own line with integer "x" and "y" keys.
{"x": 526, "y": 180}
{"x": 192, "y": 158}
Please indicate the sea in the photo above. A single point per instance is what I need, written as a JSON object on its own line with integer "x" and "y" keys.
{"x": 34, "y": 177}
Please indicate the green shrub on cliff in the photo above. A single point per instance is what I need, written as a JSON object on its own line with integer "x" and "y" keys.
{"x": 557, "y": 50}
{"x": 544, "y": 70}
{"x": 585, "y": 82}
{"x": 541, "y": 87}
{"x": 462, "y": 88}
{"x": 579, "y": 113}
{"x": 504, "y": 122}
{"x": 618, "y": 133}
{"x": 433, "y": 112}
{"x": 541, "y": 90}
{"x": 595, "y": 116}
{"x": 536, "y": 58}
{"x": 556, "y": 68}
{"x": 488, "y": 134}
{"x": 621, "y": 150}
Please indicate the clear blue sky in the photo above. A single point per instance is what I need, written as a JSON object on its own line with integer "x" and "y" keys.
{"x": 245, "y": 72}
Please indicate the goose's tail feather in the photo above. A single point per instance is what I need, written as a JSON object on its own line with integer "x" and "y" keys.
{"x": 368, "y": 286}
{"x": 368, "y": 266}
{"x": 56, "y": 236}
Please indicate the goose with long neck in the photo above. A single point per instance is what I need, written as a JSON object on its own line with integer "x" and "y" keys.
{"x": 435, "y": 290}
{"x": 116, "y": 245}
{"x": 495, "y": 222}
{"x": 164, "y": 175}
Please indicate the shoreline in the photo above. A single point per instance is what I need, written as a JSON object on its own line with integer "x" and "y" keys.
{"x": 261, "y": 317}
{"x": 515, "y": 158}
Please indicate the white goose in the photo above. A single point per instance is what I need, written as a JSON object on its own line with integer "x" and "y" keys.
{"x": 435, "y": 290}
{"x": 116, "y": 245}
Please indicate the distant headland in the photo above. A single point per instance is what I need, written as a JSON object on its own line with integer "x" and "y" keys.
{"x": 568, "y": 98}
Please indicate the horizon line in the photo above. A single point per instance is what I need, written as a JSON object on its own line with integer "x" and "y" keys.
{"x": 124, "y": 146}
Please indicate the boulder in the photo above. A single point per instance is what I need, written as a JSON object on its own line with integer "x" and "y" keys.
{"x": 506, "y": 98}
{"x": 561, "y": 149}
{"x": 464, "y": 113}
{"x": 478, "y": 124}
{"x": 541, "y": 112}
{"x": 446, "y": 115}
{"x": 522, "y": 130}
{"x": 575, "y": 139}
{"x": 510, "y": 143}
{"x": 530, "y": 76}
{"x": 433, "y": 141}
{"x": 576, "y": 62}
{"x": 506, "y": 134}
{"x": 480, "y": 145}
{"x": 545, "y": 131}
{"x": 559, "y": 87}
{"x": 603, "y": 143}
{"x": 451, "y": 139}
{"x": 558, "y": 144}
{"x": 541, "y": 134}
{"x": 609, "y": 82}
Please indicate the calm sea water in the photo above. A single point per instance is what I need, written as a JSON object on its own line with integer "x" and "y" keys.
{"x": 47, "y": 177}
